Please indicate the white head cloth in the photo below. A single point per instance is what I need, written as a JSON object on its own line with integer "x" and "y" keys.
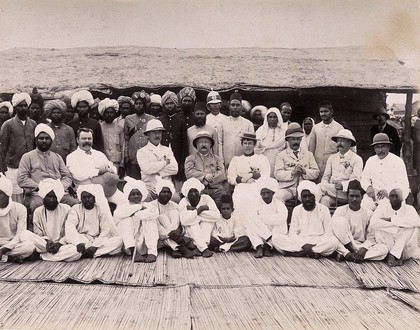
{"x": 264, "y": 129}
{"x": 107, "y": 103}
{"x": 8, "y": 105}
{"x": 19, "y": 98}
{"x": 47, "y": 185}
{"x": 95, "y": 190}
{"x": 190, "y": 184}
{"x": 135, "y": 184}
{"x": 44, "y": 128}
{"x": 82, "y": 96}
{"x": 156, "y": 98}
{"x": 267, "y": 183}
{"x": 6, "y": 185}
{"x": 161, "y": 183}
{"x": 311, "y": 186}
{"x": 399, "y": 192}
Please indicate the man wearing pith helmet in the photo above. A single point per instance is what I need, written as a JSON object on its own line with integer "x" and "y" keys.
{"x": 382, "y": 172}
{"x": 293, "y": 164}
{"x": 155, "y": 159}
{"x": 206, "y": 166}
{"x": 341, "y": 167}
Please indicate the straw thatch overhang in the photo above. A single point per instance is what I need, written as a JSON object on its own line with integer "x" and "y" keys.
{"x": 109, "y": 69}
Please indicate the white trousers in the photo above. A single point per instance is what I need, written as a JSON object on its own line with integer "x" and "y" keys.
{"x": 341, "y": 229}
{"x": 402, "y": 244}
{"x": 67, "y": 252}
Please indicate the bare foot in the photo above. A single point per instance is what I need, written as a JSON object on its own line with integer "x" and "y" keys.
{"x": 206, "y": 253}
{"x": 150, "y": 258}
{"x": 392, "y": 261}
{"x": 260, "y": 252}
{"x": 139, "y": 258}
{"x": 176, "y": 254}
{"x": 187, "y": 253}
{"x": 266, "y": 250}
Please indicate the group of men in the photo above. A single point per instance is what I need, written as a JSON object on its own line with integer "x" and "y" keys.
{"x": 196, "y": 181}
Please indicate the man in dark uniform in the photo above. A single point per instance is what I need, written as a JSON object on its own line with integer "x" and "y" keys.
{"x": 381, "y": 116}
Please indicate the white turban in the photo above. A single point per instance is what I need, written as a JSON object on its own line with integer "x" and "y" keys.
{"x": 135, "y": 184}
{"x": 107, "y": 103}
{"x": 47, "y": 185}
{"x": 311, "y": 186}
{"x": 6, "y": 185}
{"x": 191, "y": 184}
{"x": 82, "y": 96}
{"x": 267, "y": 183}
{"x": 399, "y": 192}
{"x": 156, "y": 98}
{"x": 161, "y": 183}
{"x": 8, "y": 105}
{"x": 20, "y": 97}
{"x": 44, "y": 128}
{"x": 93, "y": 189}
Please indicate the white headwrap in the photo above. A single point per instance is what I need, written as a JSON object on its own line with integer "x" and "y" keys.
{"x": 261, "y": 108}
{"x": 8, "y": 105}
{"x": 399, "y": 193}
{"x": 82, "y": 96}
{"x": 47, "y": 185}
{"x": 162, "y": 183}
{"x": 44, "y": 128}
{"x": 135, "y": 184}
{"x": 95, "y": 190}
{"x": 6, "y": 185}
{"x": 264, "y": 129}
{"x": 311, "y": 186}
{"x": 156, "y": 98}
{"x": 268, "y": 183}
{"x": 190, "y": 184}
{"x": 107, "y": 103}
{"x": 20, "y": 97}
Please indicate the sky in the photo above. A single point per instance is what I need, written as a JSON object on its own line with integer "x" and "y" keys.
{"x": 213, "y": 24}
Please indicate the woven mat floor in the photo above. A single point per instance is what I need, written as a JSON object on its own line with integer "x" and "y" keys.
{"x": 231, "y": 269}
{"x": 272, "y": 307}
{"x": 78, "y": 306}
{"x": 374, "y": 275}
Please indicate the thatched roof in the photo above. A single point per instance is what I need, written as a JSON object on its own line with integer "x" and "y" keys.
{"x": 221, "y": 69}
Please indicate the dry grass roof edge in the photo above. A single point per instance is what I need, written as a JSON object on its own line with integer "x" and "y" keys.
{"x": 54, "y": 70}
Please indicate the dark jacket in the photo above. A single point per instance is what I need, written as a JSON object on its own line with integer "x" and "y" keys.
{"x": 392, "y": 134}
{"x": 16, "y": 139}
{"x": 175, "y": 136}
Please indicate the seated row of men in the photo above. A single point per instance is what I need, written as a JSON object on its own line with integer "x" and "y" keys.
{"x": 197, "y": 226}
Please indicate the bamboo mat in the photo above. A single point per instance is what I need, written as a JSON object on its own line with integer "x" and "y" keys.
{"x": 410, "y": 298}
{"x": 229, "y": 269}
{"x": 242, "y": 269}
{"x": 74, "y": 306}
{"x": 379, "y": 275}
{"x": 297, "y": 308}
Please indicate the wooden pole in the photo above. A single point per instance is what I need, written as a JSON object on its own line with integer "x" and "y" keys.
{"x": 407, "y": 149}
{"x": 408, "y": 142}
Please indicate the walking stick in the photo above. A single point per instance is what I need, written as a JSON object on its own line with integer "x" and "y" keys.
{"x": 132, "y": 262}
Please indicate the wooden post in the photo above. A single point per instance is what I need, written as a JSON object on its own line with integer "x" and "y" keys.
{"x": 408, "y": 142}
{"x": 407, "y": 149}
